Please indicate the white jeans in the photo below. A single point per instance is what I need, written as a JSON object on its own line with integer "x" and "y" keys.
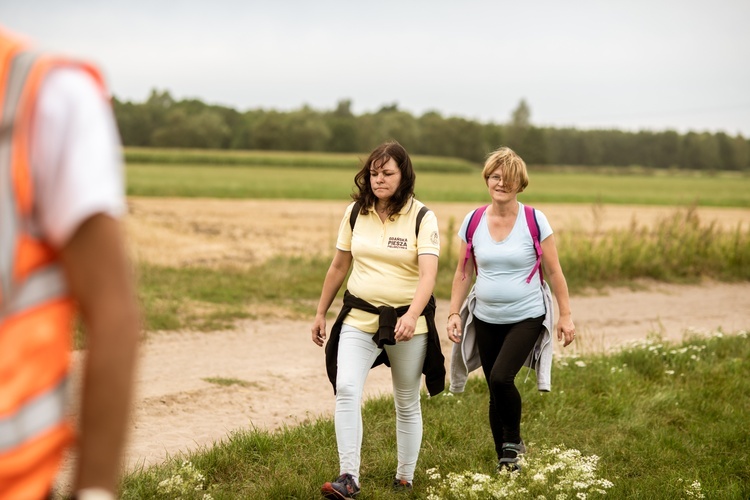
{"x": 356, "y": 354}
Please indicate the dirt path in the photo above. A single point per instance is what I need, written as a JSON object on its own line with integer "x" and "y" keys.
{"x": 177, "y": 410}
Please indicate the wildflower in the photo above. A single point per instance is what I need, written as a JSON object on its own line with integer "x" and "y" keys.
{"x": 187, "y": 479}
{"x": 580, "y": 364}
{"x": 694, "y": 490}
{"x": 669, "y": 372}
{"x": 567, "y": 472}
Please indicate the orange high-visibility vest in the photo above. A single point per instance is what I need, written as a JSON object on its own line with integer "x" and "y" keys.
{"x": 36, "y": 311}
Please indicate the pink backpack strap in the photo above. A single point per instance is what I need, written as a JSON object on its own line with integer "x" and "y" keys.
{"x": 476, "y": 216}
{"x": 534, "y": 230}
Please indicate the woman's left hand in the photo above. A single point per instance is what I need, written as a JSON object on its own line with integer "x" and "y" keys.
{"x": 566, "y": 330}
{"x": 405, "y": 327}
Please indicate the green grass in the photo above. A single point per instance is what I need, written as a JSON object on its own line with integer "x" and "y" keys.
{"x": 660, "y": 418}
{"x": 679, "y": 249}
{"x": 342, "y": 161}
{"x": 677, "y": 190}
{"x": 336, "y": 183}
{"x": 204, "y": 298}
{"x": 226, "y": 382}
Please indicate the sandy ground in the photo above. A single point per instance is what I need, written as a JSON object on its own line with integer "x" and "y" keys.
{"x": 177, "y": 409}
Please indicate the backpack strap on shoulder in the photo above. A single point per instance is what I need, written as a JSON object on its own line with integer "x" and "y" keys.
{"x": 476, "y": 216}
{"x": 420, "y": 216}
{"x": 353, "y": 215}
{"x": 534, "y": 230}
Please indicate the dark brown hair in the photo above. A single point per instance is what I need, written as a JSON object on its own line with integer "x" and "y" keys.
{"x": 380, "y": 155}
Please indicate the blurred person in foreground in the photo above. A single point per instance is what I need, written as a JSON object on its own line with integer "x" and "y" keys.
{"x": 507, "y": 319}
{"x": 391, "y": 242}
{"x": 61, "y": 252}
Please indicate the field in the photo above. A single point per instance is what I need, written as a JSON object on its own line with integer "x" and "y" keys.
{"x": 320, "y": 183}
{"x": 244, "y": 232}
{"x": 230, "y": 257}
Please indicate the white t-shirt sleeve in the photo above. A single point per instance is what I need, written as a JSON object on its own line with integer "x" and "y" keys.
{"x": 545, "y": 229}
{"x": 76, "y": 155}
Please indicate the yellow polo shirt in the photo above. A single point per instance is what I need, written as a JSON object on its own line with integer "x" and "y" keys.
{"x": 385, "y": 271}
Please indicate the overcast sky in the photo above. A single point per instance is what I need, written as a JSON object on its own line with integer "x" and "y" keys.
{"x": 628, "y": 64}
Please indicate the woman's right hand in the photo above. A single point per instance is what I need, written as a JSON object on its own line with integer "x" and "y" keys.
{"x": 454, "y": 328}
{"x": 319, "y": 330}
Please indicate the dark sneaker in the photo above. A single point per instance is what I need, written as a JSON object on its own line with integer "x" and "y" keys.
{"x": 522, "y": 448}
{"x": 402, "y": 485}
{"x": 509, "y": 460}
{"x": 507, "y": 464}
{"x": 343, "y": 487}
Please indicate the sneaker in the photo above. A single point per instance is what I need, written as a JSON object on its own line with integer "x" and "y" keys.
{"x": 343, "y": 487}
{"x": 522, "y": 448}
{"x": 402, "y": 485}
{"x": 506, "y": 464}
{"x": 509, "y": 460}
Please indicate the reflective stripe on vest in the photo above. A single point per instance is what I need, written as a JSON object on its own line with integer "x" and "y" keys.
{"x": 44, "y": 283}
{"x": 18, "y": 70}
{"x": 41, "y": 413}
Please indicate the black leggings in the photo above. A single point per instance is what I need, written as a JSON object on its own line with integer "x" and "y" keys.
{"x": 503, "y": 350}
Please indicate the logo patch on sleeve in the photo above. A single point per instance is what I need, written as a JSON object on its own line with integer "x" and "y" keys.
{"x": 434, "y": 238}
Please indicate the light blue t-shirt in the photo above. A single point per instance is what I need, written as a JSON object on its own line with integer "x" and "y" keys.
{"x": 503, "y": 296}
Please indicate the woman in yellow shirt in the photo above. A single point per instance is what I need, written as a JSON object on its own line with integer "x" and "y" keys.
{"x": 391, "y": 242}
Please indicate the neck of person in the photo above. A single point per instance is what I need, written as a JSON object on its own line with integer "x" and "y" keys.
{"x": 381, "y": 206}
{"x": 507, "y": 208}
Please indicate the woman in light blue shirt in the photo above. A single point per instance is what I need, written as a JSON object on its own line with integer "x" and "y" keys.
{"x": 509, "y": 308}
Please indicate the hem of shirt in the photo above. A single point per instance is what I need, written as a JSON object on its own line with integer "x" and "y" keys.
{"x": 345, "y": 322}
{"x": 69, "y": 228}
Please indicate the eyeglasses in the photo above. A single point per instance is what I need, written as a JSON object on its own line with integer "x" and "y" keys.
{"x": 495, "y": 178}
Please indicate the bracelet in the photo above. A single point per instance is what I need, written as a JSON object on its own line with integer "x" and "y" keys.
{"x": 452, "y": 314}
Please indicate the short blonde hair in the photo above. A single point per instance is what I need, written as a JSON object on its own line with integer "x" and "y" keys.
{"x": 511, "y": 166}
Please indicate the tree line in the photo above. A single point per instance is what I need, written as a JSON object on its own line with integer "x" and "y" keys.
{"x": 161, "y": 121}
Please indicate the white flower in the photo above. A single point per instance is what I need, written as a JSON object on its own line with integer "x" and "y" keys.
{"x": 567, "y": 472}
